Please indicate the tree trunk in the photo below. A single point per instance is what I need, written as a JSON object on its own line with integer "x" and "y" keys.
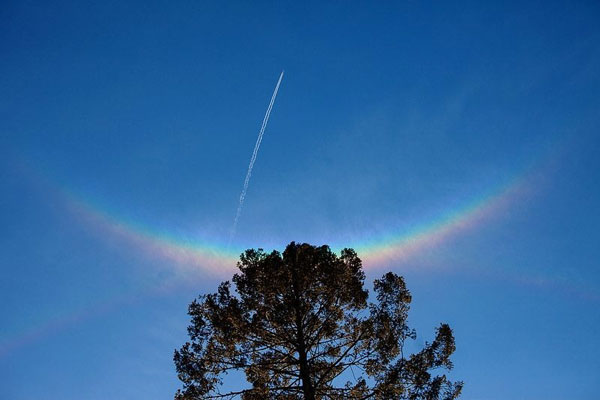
{"x": 307, "y": 386}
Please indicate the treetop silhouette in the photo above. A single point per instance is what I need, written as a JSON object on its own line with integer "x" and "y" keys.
{"x": 299, "y": 326}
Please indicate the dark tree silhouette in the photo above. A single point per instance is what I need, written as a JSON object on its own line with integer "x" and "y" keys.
{"x": 300, "y": 327}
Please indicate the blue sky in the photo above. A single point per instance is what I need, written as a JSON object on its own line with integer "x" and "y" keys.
{"x": 390, "y": 117}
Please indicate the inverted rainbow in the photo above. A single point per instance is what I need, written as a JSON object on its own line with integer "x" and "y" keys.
{"x": 190, "y": 255}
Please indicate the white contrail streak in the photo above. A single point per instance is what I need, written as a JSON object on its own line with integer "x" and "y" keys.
{"x": 253, "y": 158}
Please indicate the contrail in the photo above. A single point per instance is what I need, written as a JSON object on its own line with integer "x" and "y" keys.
{"x": 253, "y": 158}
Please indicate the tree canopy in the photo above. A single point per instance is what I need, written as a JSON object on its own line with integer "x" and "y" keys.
{"x": 299, "y": 326}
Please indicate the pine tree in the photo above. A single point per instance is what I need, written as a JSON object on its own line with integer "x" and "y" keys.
{"x": 299, "y": 326}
